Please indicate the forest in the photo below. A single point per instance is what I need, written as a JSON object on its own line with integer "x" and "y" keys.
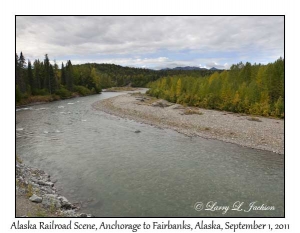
{"x": 252, "y": 89}
{"x": 245, "y": 88}
{"x": 42, "y": 81}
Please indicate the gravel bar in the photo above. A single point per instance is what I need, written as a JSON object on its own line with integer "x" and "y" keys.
{"x": 254, "y": 132}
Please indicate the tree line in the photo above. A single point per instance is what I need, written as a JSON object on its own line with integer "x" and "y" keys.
{"x": 41, "y": 78}
{"x": 45, "y": 79}
{"x": 252, "y": 89}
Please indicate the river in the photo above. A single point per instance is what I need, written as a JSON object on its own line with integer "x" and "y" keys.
{"x": 100, "y": 161}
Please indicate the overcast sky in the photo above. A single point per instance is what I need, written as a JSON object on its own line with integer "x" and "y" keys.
{"x": 152, "y": 42}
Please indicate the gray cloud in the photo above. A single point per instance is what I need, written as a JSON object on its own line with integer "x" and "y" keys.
{"x": 129, "y": 36}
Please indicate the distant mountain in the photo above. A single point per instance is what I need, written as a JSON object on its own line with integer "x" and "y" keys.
{"x": 191, "y": 68}
{"x": 186, "y": 68}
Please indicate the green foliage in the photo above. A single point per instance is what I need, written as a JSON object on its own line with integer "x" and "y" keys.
{"x": 252, "y": 89}
{"x": 279, "y": 107}
{"x": 83, "y": 91}
{"x": 63, "y": 93}
{"x": 44, "y": 79}
{"x": 18, "y": 94}
{"x": 42, "y": 92}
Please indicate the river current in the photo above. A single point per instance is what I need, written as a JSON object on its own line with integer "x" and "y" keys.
{"x": 99, "y": 160}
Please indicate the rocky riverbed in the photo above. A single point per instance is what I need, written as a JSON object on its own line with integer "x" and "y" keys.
{"x": 36, "y": 195}
{"x": 249, "y": 131}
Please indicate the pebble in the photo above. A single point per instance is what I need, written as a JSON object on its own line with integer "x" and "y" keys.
{"x": 126, "y": 106}
{"x": 35, "y": 198}
{"x": 43, "y": 190}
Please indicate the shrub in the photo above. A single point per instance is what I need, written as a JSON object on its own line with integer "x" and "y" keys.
{"x": 40, "y": 92}
{"x": 63, "y": 93}
{"x": 83, "y": 91}
{"x": 18, "y": 94}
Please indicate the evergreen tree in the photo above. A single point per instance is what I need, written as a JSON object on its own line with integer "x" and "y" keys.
{"x": 63, "y": 75}
{"x": 47, "y": 82}
{"x": 53, "y": 83}
{"x": 30, "y": 76}
{"x": 37, "y": 74}
{"x": 17, "y": 70}
{"x": 21, "y": 73}
{"x": 56, "y": 74}
{"x": 69, "y": 75}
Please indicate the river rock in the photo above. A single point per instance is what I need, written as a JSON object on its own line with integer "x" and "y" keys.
{"x": 64, "y": 202}
{"x": 45, "y": 183}
{"x": 47, "y": 189}
{"x": 35, "y": 198}
{"x": 50, "y": 200}
{"x": 161, "y": 103}
{"x": 44, "y": 190}
{"x": 83, "y": 215}
{"x": 137, "y": 131}
{"x": 34, "y": 180}
{"x": 34, "y": 184}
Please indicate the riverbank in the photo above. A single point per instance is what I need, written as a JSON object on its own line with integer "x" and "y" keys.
{"x": 120, "y": 89}
{"x": 42, "y": 99}
{"x": 254, "y": 132}
{"x": 36, "y": 195}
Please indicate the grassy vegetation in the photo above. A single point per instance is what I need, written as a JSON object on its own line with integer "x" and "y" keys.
{"x": 254, "y": 119}
{"x": 190, "y": 111}
{"x": 40, "y": 212}
{"x": 29, "y": 191}
{"x": 116, "y": 89}
{"x": 37, "y": 99}
{"x": 61, "y": 93}
{"x": 19, "y": 160}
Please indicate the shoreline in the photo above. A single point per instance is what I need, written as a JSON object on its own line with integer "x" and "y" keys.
{"x": 245, "y": 130}
{"x": 49, "y": 99}
{"x": 36, "y": 195}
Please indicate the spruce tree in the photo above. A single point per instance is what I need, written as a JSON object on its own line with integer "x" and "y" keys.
{"x": 30, "y": 76}
{"x": 46, "y": 73}
{"x": 52, "y": 80}
{"x": 63, "y": 74}
{"x": 22, "y": 73}
{"x": 69, "y": 75}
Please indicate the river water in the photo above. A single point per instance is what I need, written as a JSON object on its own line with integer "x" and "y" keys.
{"x": 99, "y": 160}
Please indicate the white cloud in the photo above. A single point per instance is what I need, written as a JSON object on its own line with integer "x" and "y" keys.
{"x": 138, "y": 37}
